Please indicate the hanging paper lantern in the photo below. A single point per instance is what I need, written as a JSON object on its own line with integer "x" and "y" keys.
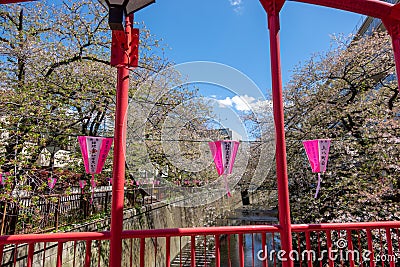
{"x": 94, "y": 152}
{"x": 51, "y": 182}
{"x": 224, "y": 154}
{"x": 317, "y": 154}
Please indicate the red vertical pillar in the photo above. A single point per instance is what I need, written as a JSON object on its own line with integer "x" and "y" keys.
{"x": 273, "y": 7}
{"x": 117, "y": 204}
{"x": 393, "y": 27}
{"x": 396, "y": 52}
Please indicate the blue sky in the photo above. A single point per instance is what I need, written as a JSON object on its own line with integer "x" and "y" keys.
{"x": 234, "y": 32}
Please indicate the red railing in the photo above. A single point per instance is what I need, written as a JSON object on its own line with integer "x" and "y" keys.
{"x": 347, "y": 244}
{"x": 49, "y": 212}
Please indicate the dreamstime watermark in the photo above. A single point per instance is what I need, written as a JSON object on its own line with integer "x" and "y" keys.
{"x": 340, "y": 253}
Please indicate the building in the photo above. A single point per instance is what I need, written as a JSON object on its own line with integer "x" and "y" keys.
{"x": 371, "y": 24}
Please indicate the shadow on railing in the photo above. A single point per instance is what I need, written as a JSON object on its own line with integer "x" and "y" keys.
{"x": 347, "y": 244}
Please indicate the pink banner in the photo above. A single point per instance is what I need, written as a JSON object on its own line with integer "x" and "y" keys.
{"x": 105, "y": 148}
{"x": 94, "y": 152}
{"x": 224, "y": 154}
{"x": 82, "y": 144}
{"x": 229, "y": 150}
{"x": 317, "y": 153}
{"x": 216, "y": 152}
{"x": 93, "y": 182}
{"x": 323, "y": 147}
{"x": 233, "y": 156}
{"x": 311, "y": 147}
{"x": 51, "y": 182}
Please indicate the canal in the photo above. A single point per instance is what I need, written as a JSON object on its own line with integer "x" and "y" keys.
{"x": 229, "y": 244}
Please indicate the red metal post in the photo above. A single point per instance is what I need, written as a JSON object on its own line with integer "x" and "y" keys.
{"x": 88, "y": 254}
{"x": 241, "y": 250}
{"x": 117, "y": 203}
{"x": 31, "y": 248}
{"x": 193, "y": 251}
{"x": 217, "y": 251}
{"x": 393, "y": 28}
{"x": 272, "y": 8}
{"x": 168, "y": 251}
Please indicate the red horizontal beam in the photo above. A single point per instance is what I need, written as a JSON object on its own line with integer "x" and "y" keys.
{"x": 14, "y": 1}
{"x": 344, "y": 226}
{"x": 56, "y": 237}
{"x": 374, "y": 8}
{"x": 200, "y": 231}
{"x": 64, "y": 237}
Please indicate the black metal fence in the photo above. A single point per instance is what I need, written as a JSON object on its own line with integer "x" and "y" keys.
{"x": 36, "y": 214}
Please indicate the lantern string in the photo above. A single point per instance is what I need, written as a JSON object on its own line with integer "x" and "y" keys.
{"x": 228, "y": 192}
{"x": 318, "y": 185}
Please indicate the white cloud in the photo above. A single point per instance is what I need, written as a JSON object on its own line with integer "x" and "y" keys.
{"x": 237, "y": 5}
{"x": 243, "y": 103}
{"x": 227, "y": 102}
{"x": 246, "y": 103}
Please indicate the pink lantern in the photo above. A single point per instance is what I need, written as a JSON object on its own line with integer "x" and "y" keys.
{"x": 94, "y": 152}
{"x": 51, "y": 182}
{"x": 224, "y": 154}
{"x": 317, "y": 154}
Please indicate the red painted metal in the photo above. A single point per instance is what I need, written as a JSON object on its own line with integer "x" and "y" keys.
{"x": 308, "y": 248}
{"x": 1, "y": 253}
{"x": 14, "y": 1}
{"x": 88, "y": 253}
{"x": 359, "y": 247}
{"x": 350, "y": 248}
{"x": 370, "y": 248}
{"x": 142, "y": 252}
{"x": 265, "y": 249}
{"x": 217, "y": 251}
{"x": 59, "y": 253}
{"x": 272, "y": 7}
{"x": 117, "y": 204}
{"x": 393, "y": 28}
{"x": 168, "y": 251}
{"x": 252, "y": 250}
{"x": 381, "y": 245}
{"x": 31, "y": 249}
{"x": 241, "y": 251}
{"x": 118, "y": 48}
{"x": 319, "y": 247}
{"x": 390, "y": 247}
{"x": 142, "y": 235}
{"x": 299, "y": 247}
{"x": 373, "y": 8}
{"x": 193, "y": 251}
{"x": 344, "y": 226}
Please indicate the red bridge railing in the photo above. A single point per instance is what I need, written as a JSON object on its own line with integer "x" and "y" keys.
{"x": 347, "y": 244}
